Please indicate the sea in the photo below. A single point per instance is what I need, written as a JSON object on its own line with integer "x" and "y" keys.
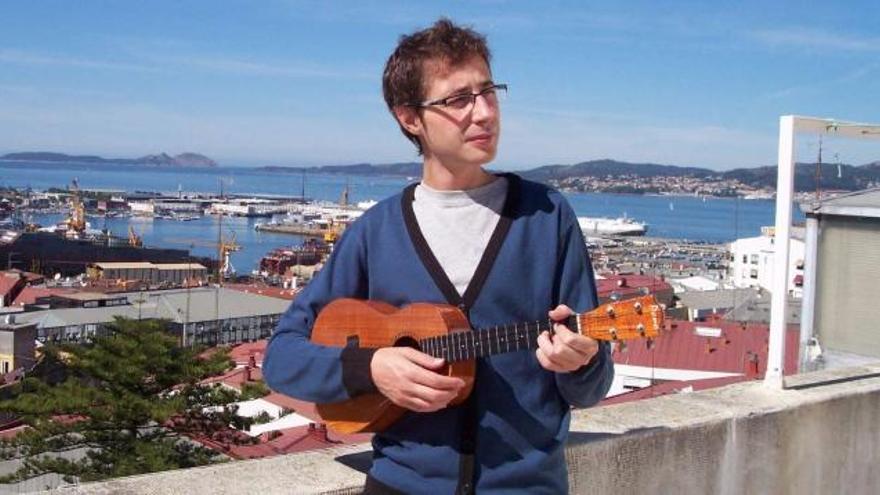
{"x": 703, "y": 219}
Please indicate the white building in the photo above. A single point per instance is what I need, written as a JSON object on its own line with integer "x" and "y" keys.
{"x": 752, "y": 262}
{"x": 144, "y": 208}
{"x": 843, "y": 268}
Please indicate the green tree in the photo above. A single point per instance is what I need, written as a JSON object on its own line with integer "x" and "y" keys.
{"x": 124, "y": 406}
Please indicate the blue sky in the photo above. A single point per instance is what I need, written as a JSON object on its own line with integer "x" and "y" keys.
{"x": 298, "y": 83}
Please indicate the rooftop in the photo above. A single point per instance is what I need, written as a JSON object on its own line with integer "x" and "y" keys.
{"x": 180, "y": 306}
{"x": 147, "y": 265}
{"x": 722, "y": 298}
{"x": 717, "y": 346}
{"x": 860, "y": 203}
{"x": 9, "y": 282}
{"x": 629, "y": 284}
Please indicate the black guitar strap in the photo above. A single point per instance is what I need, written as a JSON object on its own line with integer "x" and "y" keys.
{"x": 468, "y": 447}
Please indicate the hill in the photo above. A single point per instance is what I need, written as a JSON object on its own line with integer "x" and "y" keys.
{"x": 158, "y": 160}
{"x": 831, "y": 176}
{"x": 607, "y": 167}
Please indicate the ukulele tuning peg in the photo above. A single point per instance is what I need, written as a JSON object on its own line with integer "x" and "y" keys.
{"x": 638, "y": 307}
{"x": 641, "y": 329}
{"x": 610, "y": 311}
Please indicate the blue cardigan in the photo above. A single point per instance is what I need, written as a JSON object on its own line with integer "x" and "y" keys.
{"x": 536, "y": 259}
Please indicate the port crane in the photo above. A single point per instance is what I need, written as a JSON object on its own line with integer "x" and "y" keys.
{"x": 225, "y": 246}
{"x": 76, "y": 222}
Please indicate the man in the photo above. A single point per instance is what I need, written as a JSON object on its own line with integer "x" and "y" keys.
{"x": 502, "y": 249}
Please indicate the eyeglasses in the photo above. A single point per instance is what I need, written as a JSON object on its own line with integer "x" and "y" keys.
{"x": 465, "y": 101}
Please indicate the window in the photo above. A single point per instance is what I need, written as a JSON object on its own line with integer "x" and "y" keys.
{"x": 754, "y": 273}
{"x": 745, "y": 258}
{"x": 754, "y": 259}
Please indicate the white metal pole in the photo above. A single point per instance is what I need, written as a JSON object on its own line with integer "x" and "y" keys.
{"x": 809, "y": 301}
{"x": 779, "y": 297}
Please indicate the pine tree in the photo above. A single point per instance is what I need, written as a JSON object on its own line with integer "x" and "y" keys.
{"x": 125, "y": 406}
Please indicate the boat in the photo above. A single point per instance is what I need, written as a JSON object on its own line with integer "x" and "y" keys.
{"x": 310, "y": 253}
{"x": 611, "y": 226}
{"x": 53, "y": 252}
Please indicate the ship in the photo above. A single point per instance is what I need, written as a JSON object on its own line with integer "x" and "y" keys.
{"x": 50, "y": 253}
{"x": 278, "y": 261}
{"x": 599, "y": 226}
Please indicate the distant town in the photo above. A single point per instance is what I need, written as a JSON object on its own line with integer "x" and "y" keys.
{"x": 606, "y": 175}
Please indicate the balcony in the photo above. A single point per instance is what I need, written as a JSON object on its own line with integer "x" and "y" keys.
{"x": 819, "y": 435}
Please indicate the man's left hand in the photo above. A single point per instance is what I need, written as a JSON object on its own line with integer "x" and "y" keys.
{"x": 565, "y": 350}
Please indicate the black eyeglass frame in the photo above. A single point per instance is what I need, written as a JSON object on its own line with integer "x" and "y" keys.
{"x": 444, "y": 102}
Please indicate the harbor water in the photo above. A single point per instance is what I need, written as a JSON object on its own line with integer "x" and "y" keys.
{"x": 677, "y": 217}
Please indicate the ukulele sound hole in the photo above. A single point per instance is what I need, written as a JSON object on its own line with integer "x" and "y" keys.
{"x": 407, "y": 342}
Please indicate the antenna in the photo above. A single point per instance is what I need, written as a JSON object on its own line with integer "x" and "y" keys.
{"x": 819, "y": 172}
{"x": 220, "y": 237}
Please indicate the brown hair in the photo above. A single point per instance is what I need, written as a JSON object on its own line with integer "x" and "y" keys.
{"x": 403, "y": 81}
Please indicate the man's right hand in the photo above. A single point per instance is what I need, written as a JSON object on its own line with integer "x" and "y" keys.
{"x": 409, "y": 379}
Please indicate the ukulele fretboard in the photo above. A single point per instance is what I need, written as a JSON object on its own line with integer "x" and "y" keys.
{"x": 460, "y": 346}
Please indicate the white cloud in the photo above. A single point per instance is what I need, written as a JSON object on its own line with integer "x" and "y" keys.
{"x": 233, "y": 65}
{"x": 21, "y": 57}
{"x": 828, "y": 84}
{"x": 807, "y": 38}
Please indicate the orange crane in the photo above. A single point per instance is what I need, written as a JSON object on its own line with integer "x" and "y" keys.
{"x": 76, "y": 222}
{"x": 134, "y": 240}
{"x": 227, "y": 245}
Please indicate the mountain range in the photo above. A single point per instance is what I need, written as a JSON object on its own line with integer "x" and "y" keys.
{"x": 159, "y": 160}
{"x": 831, "y": 176}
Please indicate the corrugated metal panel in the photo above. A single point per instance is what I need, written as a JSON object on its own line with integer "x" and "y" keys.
{"x": 848, "y": 280}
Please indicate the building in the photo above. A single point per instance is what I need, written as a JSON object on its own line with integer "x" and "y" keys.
{"x": 621, "y": 287}
{"x": 751, "y": 262}
{"x": 204, "y": 315}
{"x": 11, "y": 285}
{"x": 701, "y": 305}
{"x": 693, "y": 283}
{"x": 142, "y": 208}
{"x": 16, "y": 344}
{"x": 159, "y": 274}
{"x": 695, "y": 355}
{"x": 843, "y": 269}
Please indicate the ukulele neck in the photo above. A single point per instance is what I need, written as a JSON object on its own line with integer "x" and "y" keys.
{"x": 461, "y": 346}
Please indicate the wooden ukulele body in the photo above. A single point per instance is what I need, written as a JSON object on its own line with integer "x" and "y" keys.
{"x": 374, "y": 324}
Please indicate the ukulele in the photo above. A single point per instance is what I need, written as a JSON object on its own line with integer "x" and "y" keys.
{"x": 443, "y": 331}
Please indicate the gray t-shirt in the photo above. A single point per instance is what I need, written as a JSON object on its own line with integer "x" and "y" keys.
{"x": 458, "y": 225}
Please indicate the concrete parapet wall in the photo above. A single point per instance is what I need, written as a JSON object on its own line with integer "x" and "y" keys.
{"x": 821, "y": 435}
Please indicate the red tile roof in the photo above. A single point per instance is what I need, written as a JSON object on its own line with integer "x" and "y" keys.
{"x": 8, "y": 283}
{"x": 291, "y": 440}
{"x": 29, "y": 295}
{"x": 242, "y": 353}
{"x": 630, "y": 284}
{"x": 741, "y": 348}
{"x": 12, "y": 429}
{"x": 237, "y": 377}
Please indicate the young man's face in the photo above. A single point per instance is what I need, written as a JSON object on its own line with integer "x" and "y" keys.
{"x": 457, "y": 138}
